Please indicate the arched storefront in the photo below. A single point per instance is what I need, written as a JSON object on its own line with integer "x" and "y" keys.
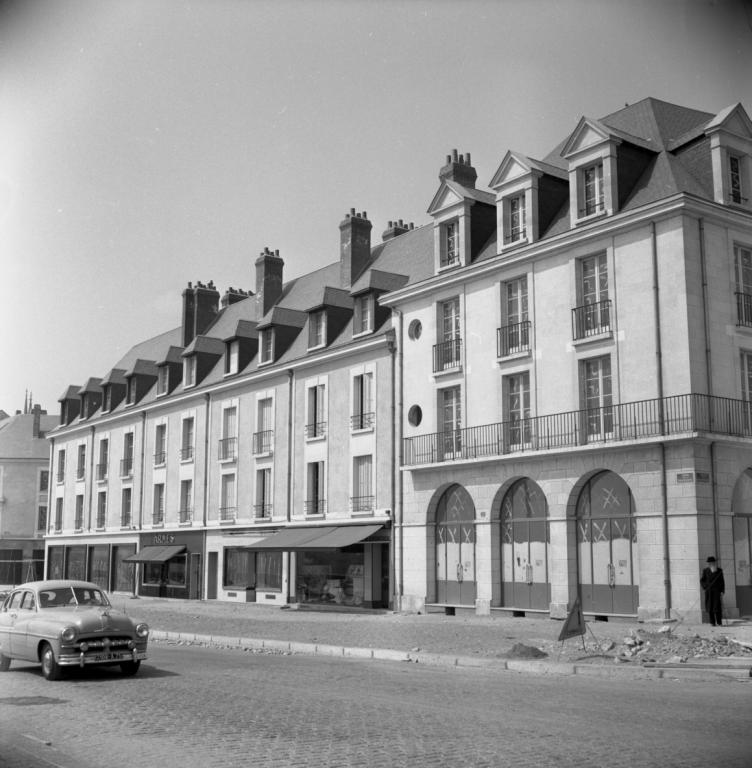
{"x": 741, "y": 507}
{"x": 606, "y": 546}
{"x": 524, "y": 547}
{"x": 455, "y": 548}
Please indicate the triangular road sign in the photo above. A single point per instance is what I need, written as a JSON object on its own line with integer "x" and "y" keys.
{"x": 574, "y": 624}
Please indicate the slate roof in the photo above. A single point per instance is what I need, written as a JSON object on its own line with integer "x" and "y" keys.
{"x": 16, "y": 441}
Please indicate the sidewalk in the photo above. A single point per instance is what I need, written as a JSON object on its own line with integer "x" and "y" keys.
{"x": 498, "y": 642}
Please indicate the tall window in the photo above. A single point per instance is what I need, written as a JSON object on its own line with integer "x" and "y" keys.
{"x": 362, "y": 498}
{"x": 163, "y": 379}
{"x": 516, "y": 214}
{"x": 79, "y": 521}
{"x": 186, "y": 439}
{"x": 263, "y": 505}
{"x": 450, "y": 419}
{"x": 229, "y": 440}
{"x": 592, "y": 190}
{"x": 186, "y": 501}
{"x": 267, "y": 345}
{"x": 735, "y": 179}
{"x": 101, "y": 509}
{"x": 44, "y": 480}
{"x": 263, "y": 438}
{"x": 362, "y": 315}
{"x": 104, "y": 457}
{"x": 743, "y": 262}
{"x": 316, "y": 424}
{"x": 447, "y": 350}
{"x": 363, "y": 410}
{"x": 232, "y": 356}
{"x": 125, "y": 508}
{"x": 42, "y": 519}
{"x": 107, "y": 405}
{"x": 596, "y": 394}
{"x": 160, "y": 444}
{"x": 450, "y": 251}
{"x": 514, "y": 335}
{"x": 593, "y": 316}
{"x": 315, "y": 495}
{"x": 126, "y": 468}
{"x": 316, "y": 329}
{"x": 61, "y": 466}
{"x": 517, "y": 408}
{"x": 159, "y": 504}
{"x": 58, "y": 515}
{"x": 227, "y": 502}
{"x": 189, "y": 371}
{"x": 81, "y": 464}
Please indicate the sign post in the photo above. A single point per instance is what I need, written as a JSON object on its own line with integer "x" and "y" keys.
{"x": 574, "y": 624}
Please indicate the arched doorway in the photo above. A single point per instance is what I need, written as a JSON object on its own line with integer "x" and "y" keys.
{"x": 741, "y": 507}
{"x": 606, "y": 544}
{"x": 524, "y": 547}
{"x": 455, "y": 547}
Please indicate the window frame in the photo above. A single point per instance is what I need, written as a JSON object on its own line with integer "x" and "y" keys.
{"x": 363, "y": 314}
{"x": 317, "y": 329}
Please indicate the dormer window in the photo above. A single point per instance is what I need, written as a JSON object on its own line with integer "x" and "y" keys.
{"x": 189, "y": 371}
{"x": 363, "y": 314}
{"x": 130, "y": 392}
{"x": 735, "y": 179}
{"x": 107, "y": 406}
{"x": 515, "y": 228}
{"x": 163, "y": 380}
{"x": 450, "y": 245}
{"x": 317, "y": 329}
{"x": 267, "y": 346}
{"x": 591, "y": 190}
{"x": 232, "y": 356}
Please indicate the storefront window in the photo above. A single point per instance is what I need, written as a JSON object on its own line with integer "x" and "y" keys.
{"x": 152, "y": 573}
{"x": 269, "y": 570}
{"x": 331, "y": 577}
{"x": 55, "y": 563}
{"x": 171, "y": 573}
{"x": 123, "y": 572}
{"x": 238, "y": 572}
{"x": 76, "y": 565}
{"x": 98, "y": 562}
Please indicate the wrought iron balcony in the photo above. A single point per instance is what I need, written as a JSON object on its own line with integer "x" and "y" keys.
{"x": 159, "y": 458}
{"x": 80, "y": 473}
{"x": 263, "y": 441}
{"x": 744, "y": 309}
{"x": 185, "y": 514}
{"x": 228, "y": 448}
{"x": 125, "y": 520}
{"x": 101, "y": 522}
{"x": 101, "y": 471}
{"x": 643, "y": 419}
{"x": 447, "y": 354}
{"x": 591, "y": 319}
{"x": 228, "y": 514}
{"x": 157, "y": 518}
{"x": 315, "y": 506}
{"x": 262, "y": 511}
{"x": 362, "y": 421}
{"x": 316, "y": 429}
{"x": 362, "y": 503}
{"x": 512, "y": 339}
{"x": 126, "y": 467}
{"x": 186, "y": 453}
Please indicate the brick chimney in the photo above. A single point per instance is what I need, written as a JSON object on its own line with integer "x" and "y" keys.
{"x": 268, "y": 280}
{"x": 233, "y": 295}
{"x": 36, "y": 424}
{"x": 200, "y": 307}
{"x": 355, "y": 246}
{"x": 395, "y": 229}
{"x": 459, "y": 169}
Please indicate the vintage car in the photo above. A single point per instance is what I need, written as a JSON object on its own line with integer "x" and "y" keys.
{"x": 68, "y": 624}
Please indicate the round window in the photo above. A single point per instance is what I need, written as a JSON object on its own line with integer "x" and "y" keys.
{"x": 415, "y": 329}
{"x": 415, "y": 415}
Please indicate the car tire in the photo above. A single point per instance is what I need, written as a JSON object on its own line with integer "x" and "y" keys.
{"x": 130, "y": 667}
{"x": 50, "y": 668}
{"x": 4, "y": 662}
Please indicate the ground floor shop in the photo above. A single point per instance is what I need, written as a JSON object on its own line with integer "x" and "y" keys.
{"x": 96, "y": 560}
{"x": 625, "y": 530}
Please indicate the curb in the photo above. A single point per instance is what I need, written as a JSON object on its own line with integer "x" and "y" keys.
{"x": 739, "y": 671}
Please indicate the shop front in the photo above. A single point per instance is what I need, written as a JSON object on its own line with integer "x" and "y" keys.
{"x": 103, "y": 563}
{"x": 169, "y": 565}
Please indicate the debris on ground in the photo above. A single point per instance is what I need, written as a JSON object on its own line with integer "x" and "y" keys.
{"x": 522, "y": 651}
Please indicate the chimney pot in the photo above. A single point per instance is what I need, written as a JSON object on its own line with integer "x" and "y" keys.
{"x": 454, "y": 155}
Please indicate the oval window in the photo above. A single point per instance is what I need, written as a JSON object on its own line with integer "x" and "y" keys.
{"x": 415, "y": 415}
{"x": 415, "y": 329}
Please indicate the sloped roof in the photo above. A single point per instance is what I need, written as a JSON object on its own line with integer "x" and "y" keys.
{"x": 16, "y": 441}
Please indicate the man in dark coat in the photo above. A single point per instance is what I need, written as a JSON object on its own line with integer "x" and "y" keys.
{"x": 712, "y": 582}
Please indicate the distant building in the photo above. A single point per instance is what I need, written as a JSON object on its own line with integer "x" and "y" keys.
{"x": 24, "y": 488}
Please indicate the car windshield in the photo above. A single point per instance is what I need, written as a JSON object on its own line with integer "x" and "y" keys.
{"x": 60, "y": 597}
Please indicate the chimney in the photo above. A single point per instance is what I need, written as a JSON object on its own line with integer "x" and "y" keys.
{"x": 459, "y": 169}
{"x": 200, "y": 307}
{"x": 395, "y": 229}
{"x": 233, "y": 295}
{"x": 268, "y": 280}
{"x": 355, "y": 246}
{"x": 35, "y": 430}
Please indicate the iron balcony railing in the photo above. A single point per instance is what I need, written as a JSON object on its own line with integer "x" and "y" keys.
{"x": 316, "y": 429}
{"x": 263, "y": 441}
{"x": 262, "y": 511}
{"x": 125, "y": 520}
{"x": 60, "y": 475}
{"x": 185, "y": 514}
{"x": 679, "y": 414}
{"x": 126, "y": 467}
{"x": 447, "y": 354}
{"x": 743, "y": 309}
{"x": 157, "y": 518}
{"x": 512, "y": 339}
{"x": 591, "y": 319}
{"x": 361, "y": 503}
{"x": 78, "y": 524}
{"x": 315, "y": 506}
{"x": 58, "y": 524}
{"x": 186, "y": 454}
{"x": 228, "y": 448}
{"x": 159, "y": 458}
{"x": 101, "y": 471}
{"x": 362, "y": 421}
{"x": 228, "y": 513}
{"x": 80, "y": 473}
{"x": 101, "y": 520}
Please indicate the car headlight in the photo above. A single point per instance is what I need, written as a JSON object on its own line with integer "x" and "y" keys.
{"x": 69, "y": 634}
{"x": 142, "y": 630}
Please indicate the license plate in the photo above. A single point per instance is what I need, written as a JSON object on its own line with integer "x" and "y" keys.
{"x": 110, "y": 656}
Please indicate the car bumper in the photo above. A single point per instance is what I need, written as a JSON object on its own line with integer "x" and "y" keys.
{"x": 111, "y": 657}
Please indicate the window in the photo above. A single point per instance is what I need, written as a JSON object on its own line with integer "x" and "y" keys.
{"x": 78, "y": 523}
{"x": 450, "y": 246}
{"x": 189, "y": 371}
{"x": 516, "y": 391}
{"x": 591, "y": 179}
{"x": 227, "y": 503}
{"x": 743, "y": 261}
{"x": 746, "y": 368}
{"x": 267, "y": 346}
{"x": 263, "y": 438}
{"x": 44, "y": 480}
{"x": 515, "y": 215}
{"x": 104, "y": 454}
{"x": 42, "y": 518}
{"x": 157, "y": 515}
{"x": 362, "y": 499}
{"x": 316, "y": 329}
{"x": 130, "y": 390}
{"x": 186, "y": 440}
{"x": 514, "y": 335}
{"x": 160, "y": 441}
{"x": 596, "y": 395}
{"x": 107, "y": 406}
{"x": 125, "y": 508}
{"x": 363, "y": 411}
{"x": 58, "y": 515}
{"x": 101, "y": 509}
{"x": 163, "y": 380}
{"x": 81, "y": 463}
{"x": 316, "y": 424}
{"x": 263, "y": 506}
{"x": 450, "y": 419}
{"x": 239, "y": 568}
{"x": 186, "y": 501}
{"x": 269, "y": 571}
{"x": 593, "y": 316}
{"x": 315, "y": 499}
{"x": 735, "y": 179}
{"x": 362, "y": 315}
{"x": 61, "y": 466}
{"x": 447, "y": 350}
{"x": 126, "y": 464}
{"x": 228, "y": 443}
{"x": 232, "y": 356}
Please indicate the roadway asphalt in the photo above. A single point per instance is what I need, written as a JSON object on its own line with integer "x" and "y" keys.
{"x": 500, "y": 641}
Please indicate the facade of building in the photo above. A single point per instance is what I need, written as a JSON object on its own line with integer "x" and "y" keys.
{"x": 24, "y": 487}
{"x": 540, "y": 396}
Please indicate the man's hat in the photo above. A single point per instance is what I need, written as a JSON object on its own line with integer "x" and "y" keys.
{"x": 711, "y": 559}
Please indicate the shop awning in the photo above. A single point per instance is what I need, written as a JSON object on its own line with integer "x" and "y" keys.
{"x": 154, "y": 554}
{"x": 324, "y": 537}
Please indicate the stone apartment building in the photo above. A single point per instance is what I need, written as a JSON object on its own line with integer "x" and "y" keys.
{"x": 540, "y": 395}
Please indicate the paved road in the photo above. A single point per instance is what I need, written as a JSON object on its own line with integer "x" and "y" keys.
{"x": 193, "y": 706}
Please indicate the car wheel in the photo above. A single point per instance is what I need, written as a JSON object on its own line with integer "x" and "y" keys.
{"x": 50, "y": 668}
{"x": 4, "y": 662}
{"x": 130, "y": 667}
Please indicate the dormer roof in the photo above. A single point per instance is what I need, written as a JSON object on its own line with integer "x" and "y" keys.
{"x": 174, "y": 355}
{"x": 92, "y": 385}
{"x": 450, "y": 193}
{"x": 378, "y": 280}
{"x": 71, "y": 393}
{"x": 204, "y": 345}
{"x": 115, "y": 376}
{"x": 332, "y": 297}
{"x": 291, "y": 318}
{"x": 142, "y": 368}
{"x": 244, "y": 329}
{"x": 516, "y": 165}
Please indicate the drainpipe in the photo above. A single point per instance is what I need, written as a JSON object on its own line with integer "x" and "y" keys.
{"x": 659, "y": 381}
{"x": 141, "y": 473}
{"x": 51, "y": 483}
{"x": 207, "y": 424}
{"x": 290, "y": 468}
{"x": 391, "y": 345}
{"x": 397, "y": 480}
{"x": 90, "y": 475}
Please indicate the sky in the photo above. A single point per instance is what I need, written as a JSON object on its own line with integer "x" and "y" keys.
{"x": 148, "y": 143}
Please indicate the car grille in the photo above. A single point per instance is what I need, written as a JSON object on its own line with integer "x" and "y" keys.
{"x": 99, "y": 643}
